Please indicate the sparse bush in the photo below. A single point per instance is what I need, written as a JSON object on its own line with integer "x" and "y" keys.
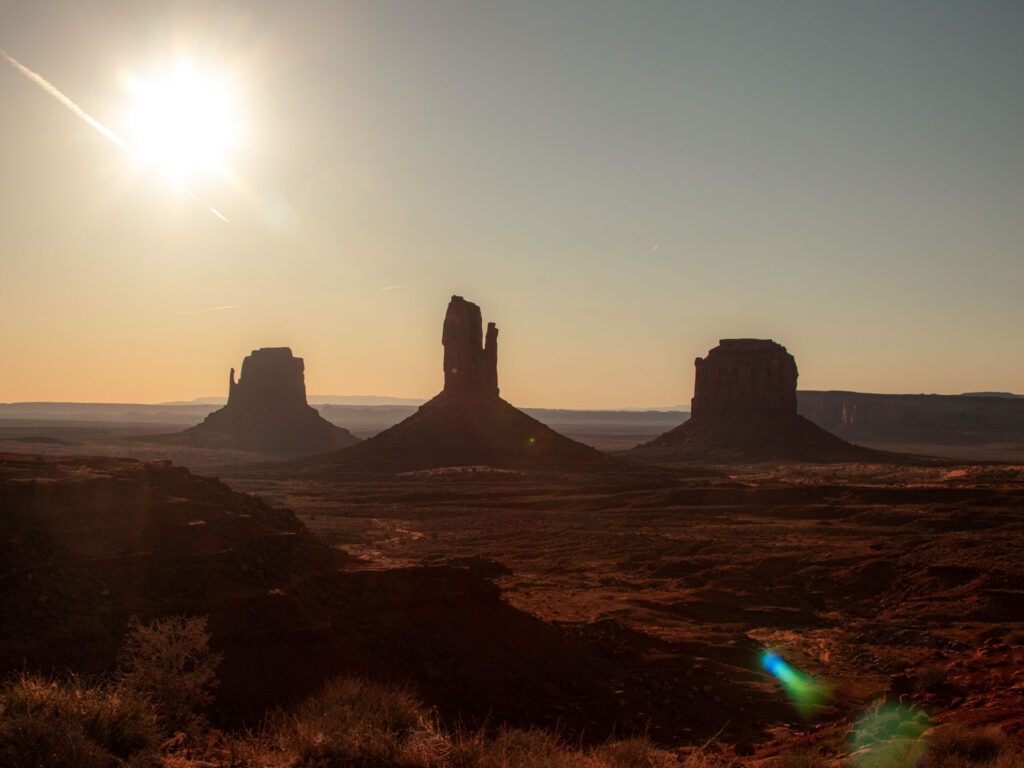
{"x": 702, "y": 758}
{"x": 635, "y": 753}
{"x": 353, "y": 722}
{"x": 956, "y": 746}
{"x": 515, "y": 748}
{"x": 170, "y": 662}
{"x": 50, "y": 724}
{"x": 889, "y": 735}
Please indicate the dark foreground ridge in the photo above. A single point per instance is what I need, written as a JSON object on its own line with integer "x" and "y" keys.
{"x": 86, "y": 543}
{"x": 267, "y": 412}
{"x": 744, "y": 408}
{"x": 467, "y": 424}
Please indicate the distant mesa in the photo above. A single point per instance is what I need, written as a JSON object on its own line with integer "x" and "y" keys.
{"x": 267, "y": 412}
{"x": 745, "y": 376}
{"x": 975, "y": 419}
{"x": 467, "y": 424}
{"x": 1004, "y": 395}
{"x": 744, "y": 408}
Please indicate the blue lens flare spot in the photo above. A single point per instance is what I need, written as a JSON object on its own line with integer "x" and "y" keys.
{"x": 807, "y": 694}
{"x": 772, "y": 662}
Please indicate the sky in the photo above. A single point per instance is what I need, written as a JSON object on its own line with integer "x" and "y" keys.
{"x": 617, "y": 184}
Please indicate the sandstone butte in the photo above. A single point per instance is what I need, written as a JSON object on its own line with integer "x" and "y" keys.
{"x": 267, "y": 412}
{"x": 744, "y": 408}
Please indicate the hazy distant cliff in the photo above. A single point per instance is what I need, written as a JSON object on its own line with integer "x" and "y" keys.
{"x": 950, "y": 419}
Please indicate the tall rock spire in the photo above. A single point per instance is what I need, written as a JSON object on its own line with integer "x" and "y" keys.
{"x": 467, "y": 424}
{"x": 470, "y": 358}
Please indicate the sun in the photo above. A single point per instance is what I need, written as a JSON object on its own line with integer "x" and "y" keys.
{"x": 182, "y": 121}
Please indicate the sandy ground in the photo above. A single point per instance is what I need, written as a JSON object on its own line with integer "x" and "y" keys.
{"x": 875, "y": 580}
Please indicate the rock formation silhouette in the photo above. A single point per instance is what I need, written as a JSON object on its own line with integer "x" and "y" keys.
{"x": 745, "y": 376}
{"x": 467, "y": 424}
{"x": 744, "y": 408}
{"x": 267, "y": 412}
{"x": 469, "y": 366}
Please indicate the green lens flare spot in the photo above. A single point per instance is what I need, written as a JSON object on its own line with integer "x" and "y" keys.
{"x": 807, "y": 694}
{"x": 889, "y": 734}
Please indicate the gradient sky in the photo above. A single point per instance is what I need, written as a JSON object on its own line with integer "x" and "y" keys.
{"x": 617, "y": 184}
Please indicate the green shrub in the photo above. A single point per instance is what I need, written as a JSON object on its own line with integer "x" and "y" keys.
{"x": 890, "y": 735}
{"x": 50, "y": 724}
{"x": 170, "y": 662}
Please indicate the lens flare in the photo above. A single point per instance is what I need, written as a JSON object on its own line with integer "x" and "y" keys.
{"x": 889, "y": 734}
{"x": 807, "y": 694}
{"x": 182, "y": 120}
{"x": 95, "y": 124}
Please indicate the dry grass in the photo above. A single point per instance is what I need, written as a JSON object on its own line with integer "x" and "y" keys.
{"x": 169, "y": 661}
{"x": 354, "y": 723}
{"x": 957, "y": 746}
{"x": 640, "y": 753}
{"x": 51, "y": 724}
{"x": 952, "y": 746}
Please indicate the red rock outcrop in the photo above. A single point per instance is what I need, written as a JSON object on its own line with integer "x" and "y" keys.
{"x": 467, "y": 424}
{"x": 269, "y": 375}
{"x": 267, "y": 412}
{"x": 745, "y": 376}
{"x": 744, "y": 408}
{"x": 470, "y": 361}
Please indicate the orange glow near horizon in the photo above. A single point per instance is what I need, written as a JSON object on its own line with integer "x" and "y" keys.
{"x": 617, "y": 189}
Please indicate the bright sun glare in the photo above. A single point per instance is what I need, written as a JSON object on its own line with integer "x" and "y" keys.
{"x": 182, "y": 121}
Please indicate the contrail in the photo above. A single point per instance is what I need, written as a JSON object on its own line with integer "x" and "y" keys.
{"x": 202, "y": 202}
{"x": 108, "y": 134}
{"x": 51, "y": 89}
